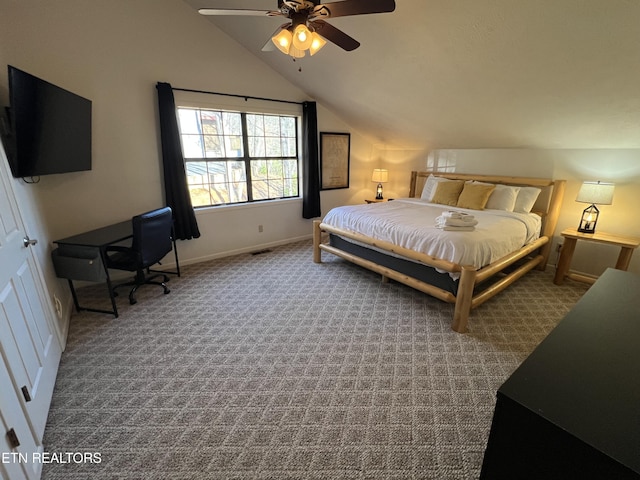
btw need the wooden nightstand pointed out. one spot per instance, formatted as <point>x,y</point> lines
<point>571,236</point>
<point>375,200</point>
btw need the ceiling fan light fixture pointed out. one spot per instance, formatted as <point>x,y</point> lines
<point>317,42</point>
<point>296,52</point>
<point>283,40</point>
<point>302,37</point>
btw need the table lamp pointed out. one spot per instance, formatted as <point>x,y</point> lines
<point>593,192</point>
<point>381,176</point>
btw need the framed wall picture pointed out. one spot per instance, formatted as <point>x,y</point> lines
<point>334,160</point>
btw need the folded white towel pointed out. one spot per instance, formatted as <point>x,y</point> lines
<point>456,229</point>
<point>458,215</point>
<point>456,222</point>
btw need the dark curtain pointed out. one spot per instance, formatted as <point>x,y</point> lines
<point>310,166</point>
<point>175,178</point>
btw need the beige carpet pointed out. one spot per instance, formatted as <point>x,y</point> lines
<point>272,367</point>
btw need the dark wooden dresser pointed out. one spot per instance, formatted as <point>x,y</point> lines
<point>572,409</point>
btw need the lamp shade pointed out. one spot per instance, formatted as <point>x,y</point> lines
<point>596,193</point>
<point>316,44</point>
<point>380,175</point>
<point>302,38</point>
<point>283,40</point>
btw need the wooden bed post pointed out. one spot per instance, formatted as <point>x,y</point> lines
<point>412,185</point>
<point>463,299</point>
<point>317,234</point>
<point>552,219</point>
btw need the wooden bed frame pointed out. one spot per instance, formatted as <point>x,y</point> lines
<point>536,253</point>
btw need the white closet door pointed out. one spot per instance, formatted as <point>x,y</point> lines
<point>28,344</point>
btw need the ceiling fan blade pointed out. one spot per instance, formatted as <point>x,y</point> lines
<point>354,7</point>
<point>237,11</point>
<point>334,35</point>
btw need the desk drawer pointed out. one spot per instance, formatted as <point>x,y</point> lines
<point>78,263</point>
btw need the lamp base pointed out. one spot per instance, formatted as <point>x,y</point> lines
<point>379,192</point>
<point>589,219</point>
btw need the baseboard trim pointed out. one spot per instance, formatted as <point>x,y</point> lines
<point>239,251</point>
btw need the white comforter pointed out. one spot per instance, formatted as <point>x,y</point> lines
<point>411,223</point>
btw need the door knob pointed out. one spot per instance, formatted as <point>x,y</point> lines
<point>27,242</point>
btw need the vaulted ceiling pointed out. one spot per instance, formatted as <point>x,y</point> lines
<point>472,73</point>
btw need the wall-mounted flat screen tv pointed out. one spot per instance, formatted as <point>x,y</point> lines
<point>49,127</point>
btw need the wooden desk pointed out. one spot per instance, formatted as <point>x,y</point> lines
<point>571,410</point>
<point>571,236</point>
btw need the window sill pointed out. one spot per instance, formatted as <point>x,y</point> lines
<point>250,205</point>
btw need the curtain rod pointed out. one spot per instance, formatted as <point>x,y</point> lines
<point>246,97</point>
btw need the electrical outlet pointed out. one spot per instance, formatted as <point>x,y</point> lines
<point>58,305</point>
<point>260,229</point>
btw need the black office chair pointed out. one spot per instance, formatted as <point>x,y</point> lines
<point>152,240</point>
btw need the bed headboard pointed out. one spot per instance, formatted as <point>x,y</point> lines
<point>547,205</point>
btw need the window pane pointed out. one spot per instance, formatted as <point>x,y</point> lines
<point>272,145</point>
<point>275,189</point>
<point>260,190</point>
<point>218,176</point>
<point>199,195</point>
<point>219,194</point>
<point>232,123</point>
<point>274,168</point>
<point>288,126</point>
<point>192,146</point>
<point>272,126</point>
<point>256,147</point>
<point>290,168</point>
<point>217,172</point>
<point>238,192</point>
<point>213,146</point>
<point>259,169</point>
<point>289,147</point>
<point>236,172</point>
<point>255,126</point>
<point>233,146</point>
<point>189,120</point>
<point>196,173</point>
<point>290,187</point>
<point>211,122</point>
<point>237,182</point>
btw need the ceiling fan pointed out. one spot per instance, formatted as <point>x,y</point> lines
<point>307,29</point>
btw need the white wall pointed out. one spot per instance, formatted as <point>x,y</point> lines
<point>114,52</point>
<point>621,167</point>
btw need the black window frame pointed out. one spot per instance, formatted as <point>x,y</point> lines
<point>246,158</point>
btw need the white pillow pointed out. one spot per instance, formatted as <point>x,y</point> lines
<point>503,198</point>
<point>429,189</point>
<point>527,196</point>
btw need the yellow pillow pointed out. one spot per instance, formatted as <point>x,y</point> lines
<point>475,195</point>
<point>447,193</point>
